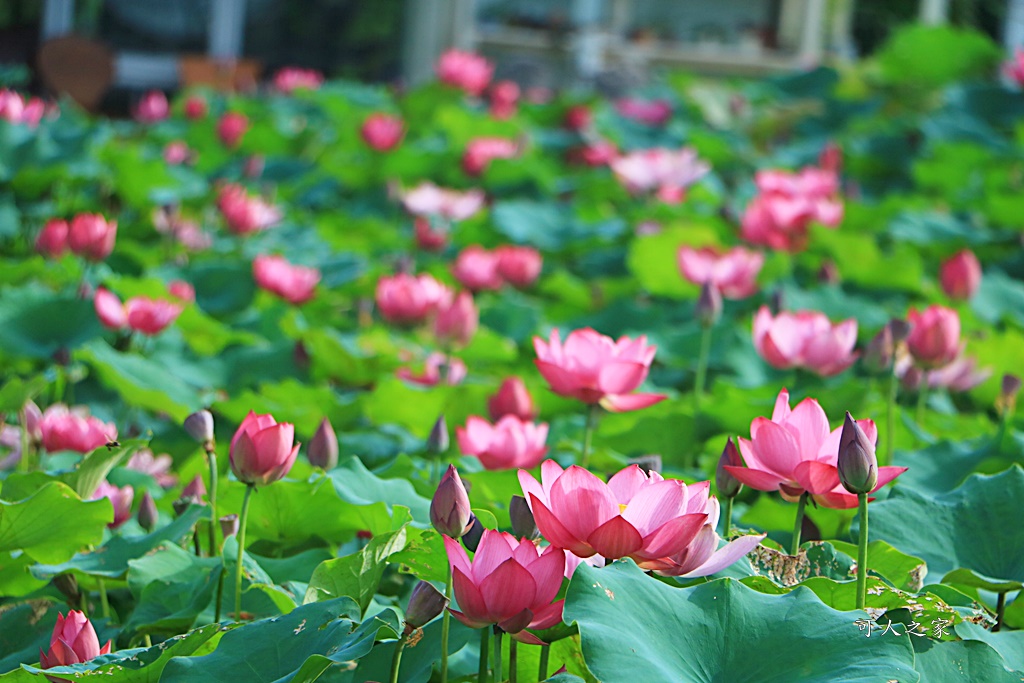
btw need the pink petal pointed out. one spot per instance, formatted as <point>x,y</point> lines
<point>887,474</point>
<point>471,623</point>
<point>508,590</point>
<point>809,424</point>
<point>817,477</point>
<point>625,484</point>
<point>582,502</point>
<point>493,550</point>
<point>656,504</point>
<point>624,403</point>
<point>547,574</point>
<point>756,479</point>
<point>776,448</point>
<point>616,538</point>
<point>457,556</point>
<point>621,377</point>
<point>726,556</point>
<point>548,616</point>
<point>673,536</point>
<point>553,530</point>
<point>469,597</point>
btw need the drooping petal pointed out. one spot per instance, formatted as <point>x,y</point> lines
<point>624,403</point>
<point>673,536</point>
<point>726,556</point>
<point>755,479</point>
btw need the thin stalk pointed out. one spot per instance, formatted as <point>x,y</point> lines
<point>922,401</point>
<point>727,517</point>
<point>445,626</point>
<point>220,594</point>
<point>211,456</point>
<point>396,659</point>
<point>890,418</point>
<point>513,661</point>
<point>588,433</point>
<point>1000,610</point>
<point>798,526</point>
<point>104,603</point>
<point>148,640</point>
<point>498,633</point>
<point>485,634</point>
<point>862,552</point>
<point>545,653</point>
<point>23,464</point>
<point>241,550</point>
<point>702,368</point>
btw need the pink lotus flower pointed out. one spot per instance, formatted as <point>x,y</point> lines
<point>195,108</point>
<point>74,641</point>
<point>410,299</point>
<point>153,107</point>
<point>504,95</point>
<point>934,338</point>
<point>1014,67</point>
<point>436,367</point>
<point>254,165</point>
<point>16,109</point>
<point>382,132</point>
<point>231,127</point>
<point>177,152</point>
<point>262,450</point>
<point>593,368</point>
<point>518,266</point>
<point>182,291</point>
<point>512,398</point>
<point>960,374</point>
<point>480,152</point>
<point>52,241</point>
<point>644,517</point>
<point>73,430</point>
<point>787,203</point>
<point>649,112</point>
<point>733,273</point>
<point>156,466</point>
<point>294,284</point>
<point>291,78</point>
<point>465,70</point>
<point>510,443</point>
<point>457,321</point>
<point>245,214</point>
<point>509,583</point>
<point>666,172</point>
<point>795,452</point>
<point>140,313</point>
<point>120,499</point>
<point>805,339</point>
<point>427,238</point>
<point>477,269</point>
<point>596,153</point>
<point>961,275</point>
<point>427,199</point>
<point>579,118</point>
<point>92,236</point>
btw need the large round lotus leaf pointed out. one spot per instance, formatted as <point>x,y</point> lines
<point>635,628</point>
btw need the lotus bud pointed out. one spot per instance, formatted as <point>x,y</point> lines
<point>512,398</point>
<point>323,447</point>
<point>728,485</point>
<point>857,464</point>
<point>67,584</point>
<point>228,525</point>
<point>73,641</point>
<point>449,509</point>
<point>880,351</point>
<point>199,426</point>
<point>523,524</point>
<point>1008,394</point>
<point>474,533</point>
<point>709,305</point>
<point>195,490</point>
<point>147,514</point>
<point>648,463</point>
<point>439,440</point>
<point>425,603</point>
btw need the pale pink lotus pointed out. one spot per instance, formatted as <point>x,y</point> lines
<point>52,241</point>
<point>511,583</point>
<point>934,338</point>
<point>20,110</point>
<point>410,299</point>
<point>291,78</point>
<point>593,368</point>
<point>795,452</point>
<point>666,172</point>
<point>649,112</point>
<point>519,266</point>
<point>437,368</point>
<point>231,127</point>
<point>465,70</point>
<point>182,291</point>
<point>477,269</point>
<point>512,398</point>
<point>644,517</point>
<point>120,498</point>
<point>507,444</point>
<point>177,152</point>
<point>960,275</point>
<point>139,314</point>
<point>382,132</point>
<point>92,236</point>
<point>805,339</point>
<point>152,108</point>
<point>733,273</point>
<point>156,466</point>
<point>480,152</point>
<point>294,284</point>
<point>245,214</point>
<point>787,203</point>
<point>76,430</point>
<point>427,199</point>
<point>457,321</point>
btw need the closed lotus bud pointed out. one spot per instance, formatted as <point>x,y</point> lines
<point>199,426</point>
<point>960,275</point>
<point>439,440</point>
<point>728,485</point>
<point>1008,393</point>
<point>857,464</point>
<point>73,641</point>
<point>194,491</point>
<point>425,603</point>
<point>880,351</point>
<point>523,524</point>
<point>228,525</point>
<point>449,509</point>
<point>648,463</point>
<point>323,448</point>
<point>512,398</point>
<point>473,534</point>
<point>67,584</point>
<point>709,305</point>
<point>262,450</point>
<point>147,515</point>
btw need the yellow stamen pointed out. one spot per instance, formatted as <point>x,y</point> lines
<point>622,508</point>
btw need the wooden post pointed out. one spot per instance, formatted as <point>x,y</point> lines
<point>226,29</point>
<point>812,33</point>
<point>58,18</point>
<point>934,12</point>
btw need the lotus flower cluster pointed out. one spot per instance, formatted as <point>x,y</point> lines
<point>805,339</point>
<point>478,269</point>
<point>245,214</point>
<point>21,110</point>
<point>465,70</point>
<point>427,199</point>
<point>294,284</point>
<point>732,273</point>
<point>410,299</point>
<point>668,173</point>
<point>63,429</point>
<point>74,641</point>
<point>786,205</point>
<point>291,78</point>
<point>88,235</point>
<point>509,443</point>
<point>262,451</point>
<point>139,314</point>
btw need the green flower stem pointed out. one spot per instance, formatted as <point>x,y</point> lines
<point>104,603</point>
<point>862,552</point>
<point>485,634</point>
<point>211,456</point>
<point>513,661</point>
<point>1000,610</point>
<point>890,418</point>
<point>241,550</point>
<point>588,433</point>
<point>396,659</point>
<point>922,401</point>
<point>220,594</point>
<point>545,654</point>
<point>445,627</point>
<point>23,464</point>
<point>799,524</point>
<point>702,368</point>
<point>727,517</point>
<point>498,633</point>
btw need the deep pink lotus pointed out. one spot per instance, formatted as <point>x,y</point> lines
<point>139,314</point>
<point>649,112</point>
<point>231,127</point>
<point>960,275</point>
<point>795,452</point>
<point>509,443</point>
<point>92,236</point>
<point>786,205</point>
<point>595,153</point>
<point>476,269</point>
<point>593,368</point>
<point>294,284</point>
<point>512,398</point>
<point>152,108</point>
<point>291,78</point>
<point>52,241</point>
<point>120,498</point>
<point>518,265</point>
<point>666,172</point>
<point>934,338</point>
<point>579,117</point>
<point>62,429</point>
<point>195,108</point>
<point>465,70</point>
<point>636,515</point>
<point>427,237</point>
<point>427,199</point>
<point>480,152</point>
<point>805,339</point>
<point>245,214</point>
<point>410,299</point>
<point>511,583</point>
<point>382,132</point>
<point>262,451</point>
<point>733,273</point>
<point>74,641</point>
<point>437,368</point>
<point>457,321</point>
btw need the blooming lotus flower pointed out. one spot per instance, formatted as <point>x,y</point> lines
<point>579,117</point>
<point>518,266</point>
<point>805,339</point>
<point>733,273</point>
<point>960,275</point>
<point>120,499</point>
<point>636,515</point>
<point>231,127</point>
<point>787,203</point>
<point>16,109</point>
<point>961,374</point>
<point>290,78</point>
<point>294,284</point>
<point>262,450</point>
<point>427,238</point>
<point>73,430</point>
<point>156,466</point>
<point>182,291</point>
<point>465,70</point>
<point>153,107</point>
<point>512,398</point>
<point>649,112</point>
<point>427,199</point>
<point>139,314</point>
<point>667,172</point>
<point>595,153</point>
<point>795,452</point>
<point>511,583</point>
<point>504,95</point>
<point>934,338</point>
<point>74,641</point>
<point>382,132</point>
<point>410,299</point>
<point>177,152</point>
<point>195,108</point>
<point>457,321</point>
<point>593,368</point>
<point>52,241</point>
<point>510,443</point>
<point>92,236</point>
<point>480,152</point>
<point>436,365</point>
<point>245,214</point>
<point>477,269</point>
